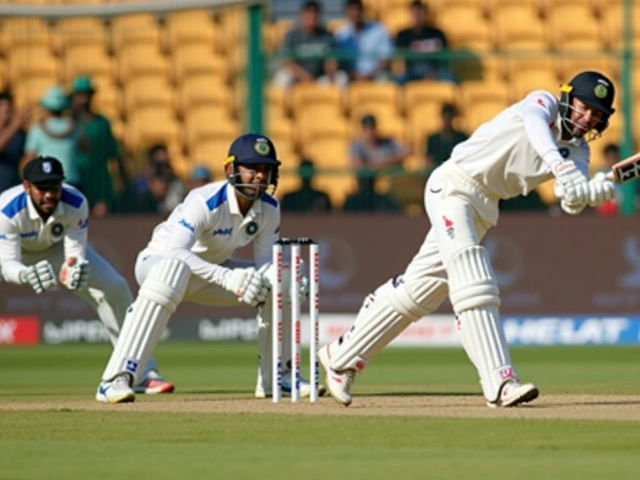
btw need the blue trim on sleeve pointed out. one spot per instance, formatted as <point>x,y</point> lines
<point>71,198</point>
<point>16,205</point>
<point>218,199</point>
<point>266,198</point>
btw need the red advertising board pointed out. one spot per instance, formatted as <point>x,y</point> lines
<point>19,330</point>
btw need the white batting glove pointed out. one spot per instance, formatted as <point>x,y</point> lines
<point>571,184</point>
<point>248,285</point>
<point>74,273</point>
<point>40,276</point>
<point>601,190</point>
<point>570,208</point>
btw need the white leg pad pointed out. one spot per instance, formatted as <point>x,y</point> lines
<point>159,296</point>
<point>474,295</point>
<point>383,316</point>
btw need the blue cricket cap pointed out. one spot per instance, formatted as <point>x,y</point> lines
<point>252,148</point>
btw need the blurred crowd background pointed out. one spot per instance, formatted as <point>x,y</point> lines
<point>363,98</point>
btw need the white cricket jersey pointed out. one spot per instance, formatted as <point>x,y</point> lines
<point>207,227</point>
<point>510,154</point>
<point>22,230</point>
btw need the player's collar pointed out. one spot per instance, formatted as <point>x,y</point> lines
<point>234,208</point>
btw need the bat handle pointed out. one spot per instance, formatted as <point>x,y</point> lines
<point>610,176</point>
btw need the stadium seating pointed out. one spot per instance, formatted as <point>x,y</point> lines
<point>191,27</point>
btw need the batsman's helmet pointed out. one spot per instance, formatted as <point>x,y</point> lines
<point>252,149</point>
<point>593,89</point>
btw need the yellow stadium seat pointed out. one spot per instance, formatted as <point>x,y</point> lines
<point>522,85</point>
<point>569,66</point>
<point>436,93</point>
<point>107,98</point>
<point>141,59</point>
<point>613,25</point>
<point>136,29</point>
<point>24,32</point>
<point>202,90</point>
<point>4,76</point>
<point>389,122</point>
<point>396,19</point>
<point>236,57</point>
<point>319,121</point>
<point>74,32</point>
<point>572,27</point>
<point>465,27</point>
<point>288,179</point>
<point>191,27</point>
<point>90,60</point>
<point>518,27</point>
<point>147,126</point>
<point>477,92</point>
<point>478,114</point>
<point>233,27</point>
<point>279,128</point>
<point>211,122</point>
<point>305,95</point>
<point>519,65</point>
<point>28,91</point>
<point>331,158</point>
<point>368,95</point>
<point>148,91</point>
<point>277,100</point>
<point>198,59</point>
<point>28,61</point>
<point>275,33</point>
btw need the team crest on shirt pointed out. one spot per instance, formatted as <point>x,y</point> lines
<point>57,230</point>
<point>252,228</point>
<point>600,90</point>
<point>262,147</point>
<point>564,152</point>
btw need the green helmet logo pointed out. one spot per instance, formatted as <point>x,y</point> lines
<point>600,91</point>
<point>262,147</point>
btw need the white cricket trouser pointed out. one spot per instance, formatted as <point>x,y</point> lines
<point>107,291</point>
<point>455,224</point>
<point>198,291</point>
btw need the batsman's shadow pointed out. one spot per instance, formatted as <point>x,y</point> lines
<point>422,394</point>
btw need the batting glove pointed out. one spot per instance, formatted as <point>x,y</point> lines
<point>601,190</point>
<point>74,273</point>
<point>571,184</point>
<point>40,276</point>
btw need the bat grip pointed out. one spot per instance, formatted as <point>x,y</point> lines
<point>610,176</point>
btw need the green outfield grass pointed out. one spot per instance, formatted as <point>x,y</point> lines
<point>58,442</point>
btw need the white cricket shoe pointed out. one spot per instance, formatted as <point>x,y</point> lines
<point>338,383</point>
<point>117,390</point>
<point>153,383</point>
<point>263,391</point>
<point>514,393</point>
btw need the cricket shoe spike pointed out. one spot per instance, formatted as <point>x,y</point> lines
<point>338,383</point>
<point>153,383</point>
<point>514,393</point>
<point>117,390</point>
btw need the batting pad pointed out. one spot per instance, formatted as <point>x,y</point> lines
<point>474,295</point>
<point>383,316</point>
<point>159,297</point>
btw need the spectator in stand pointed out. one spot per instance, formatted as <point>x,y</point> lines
<point>307,52</point>
<point>375,151</point>
<point>366,199</point>
<point>423,38</point>
<point>160,166</point>
<point>200,176</point>
<point>440,144</point>
<point>93,162</point>
<point>611,155</point>
<point>56,135</point>
<point>12,139</point>
<point>153,199</point>
<point>306,198</point>
<point>366,43</point>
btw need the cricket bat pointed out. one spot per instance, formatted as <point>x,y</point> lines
<point>625,170</point>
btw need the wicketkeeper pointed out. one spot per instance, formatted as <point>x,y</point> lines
<point>43,244</point>
<point>532,141</point>
<point>189,258</point>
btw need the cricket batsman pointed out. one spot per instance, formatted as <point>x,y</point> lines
<point>43,244</point>
<point>538,138</point>
<point>190,258</point>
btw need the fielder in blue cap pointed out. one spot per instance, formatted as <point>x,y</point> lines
<point>189,258</point>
